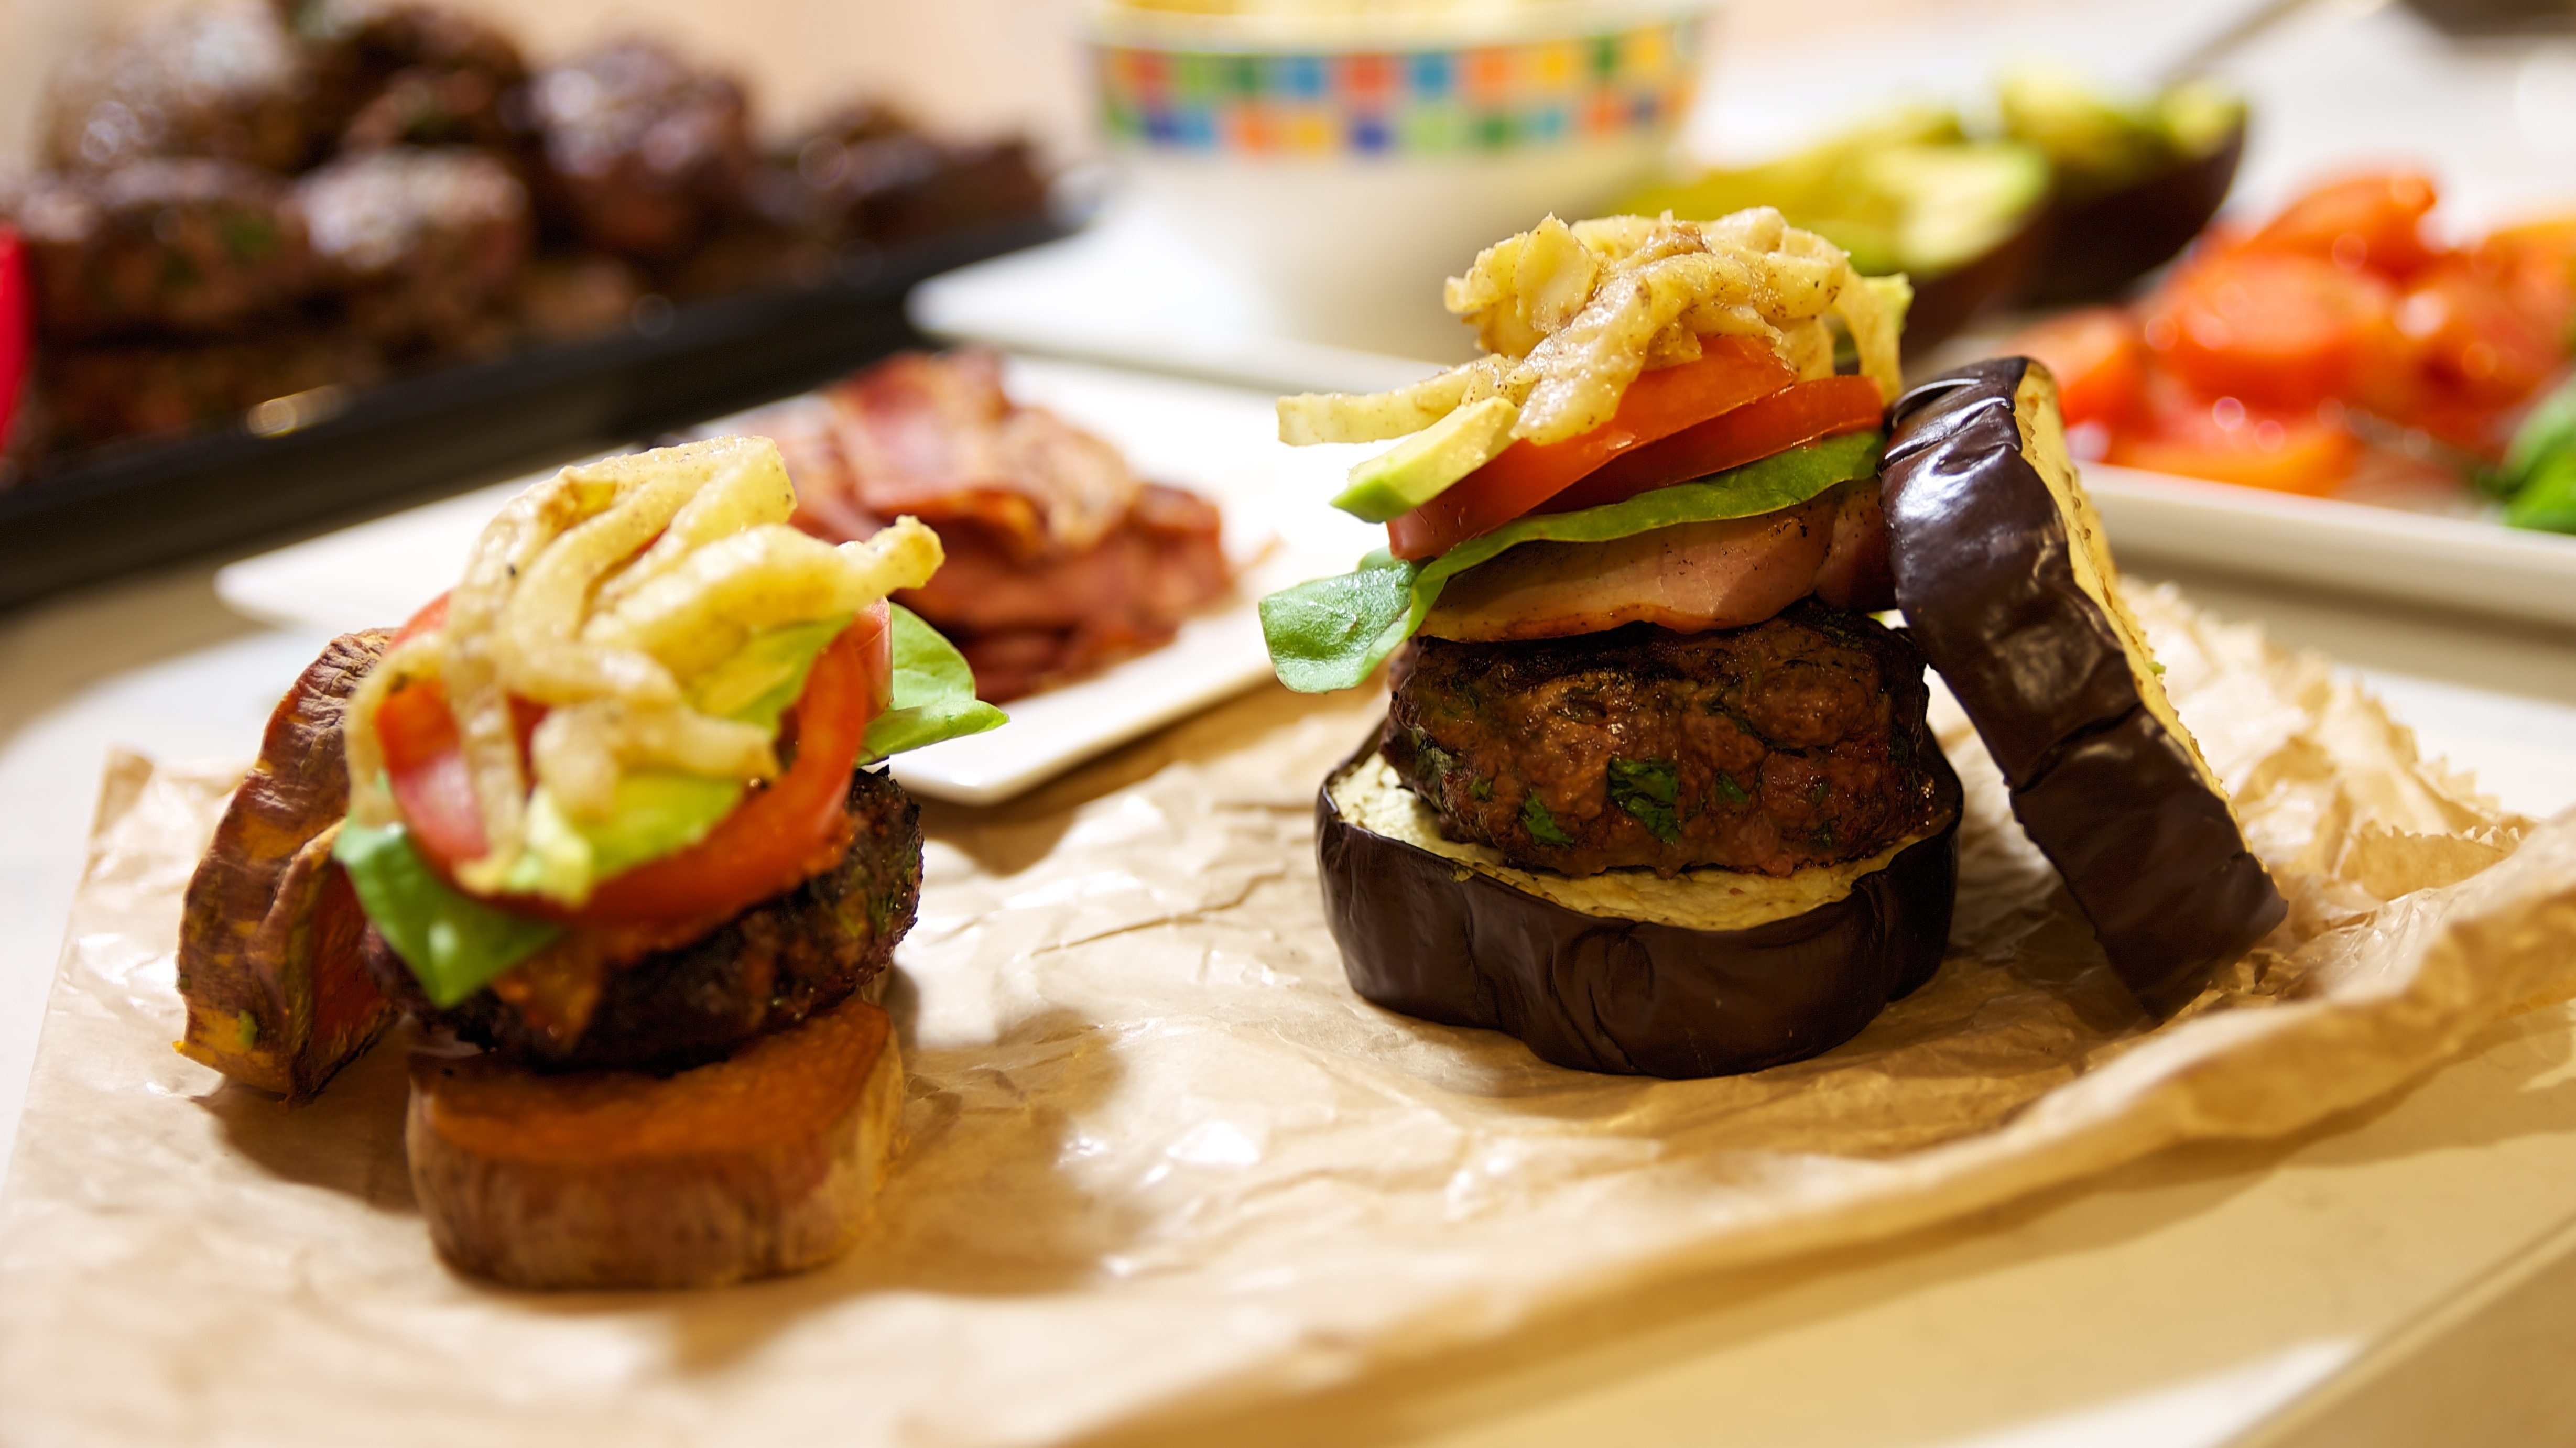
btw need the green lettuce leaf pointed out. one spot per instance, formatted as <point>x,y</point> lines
<point>934,693</point>
<point>1329,633</point>
<point>454,943</point>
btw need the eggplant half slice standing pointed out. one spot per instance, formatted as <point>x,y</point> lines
<point>2006,581</point>
<point>1630,985</point>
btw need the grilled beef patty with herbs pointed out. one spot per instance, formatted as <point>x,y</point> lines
<point>764,970</point>
<point>1795,742</point>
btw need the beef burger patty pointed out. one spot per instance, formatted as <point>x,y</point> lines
<point>764,970</point>
<point>1794,742</point>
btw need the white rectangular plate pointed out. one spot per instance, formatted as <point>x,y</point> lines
<point>1217,441</point>
<point>2354,547</point>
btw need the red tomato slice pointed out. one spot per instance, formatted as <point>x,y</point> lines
<point>2275,328</point>
<point>426,768</point>
<point>2225,441</point>
<point>1799,414</point>
<point>1730,372</point>
<point>2368,223</point>
<point>433,614</point>
<point>2099,361</point>
<point>782,833</point>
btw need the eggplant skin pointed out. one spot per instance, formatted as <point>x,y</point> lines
<point>2007,587</point>
<point>1628,997</point>
<point>2096,247</point>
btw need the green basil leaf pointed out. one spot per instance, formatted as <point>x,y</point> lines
<point>1541,823</point>
<point>934,693</point>
<point>1330,633</point>
<point>1648,789</point>
<point>454,944</point>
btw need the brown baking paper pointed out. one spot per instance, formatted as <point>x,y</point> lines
<point>1160,1154</point>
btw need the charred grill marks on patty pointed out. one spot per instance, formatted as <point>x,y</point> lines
<point>764,970</point>
<point>1799,741</point>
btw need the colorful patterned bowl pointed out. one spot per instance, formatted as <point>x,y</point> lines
<point>1345,164</point>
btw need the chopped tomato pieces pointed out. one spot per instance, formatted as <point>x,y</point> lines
<point>1730,372</point>
<point>2226,441</point>
<point>2472,344</point>
<point>2367,223</point>
<point>2099,361</point>
<point>1791,417</point>
<point>2284,329</point>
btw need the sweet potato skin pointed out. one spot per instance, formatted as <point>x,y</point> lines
<point>269,965</point>
<point>765,1163</point>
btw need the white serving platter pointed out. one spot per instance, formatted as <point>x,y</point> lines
<point>2385,551</point>
<point>1218,441</point>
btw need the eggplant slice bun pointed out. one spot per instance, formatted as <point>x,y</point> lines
<point>1655,792</point>
<point>599,819</point>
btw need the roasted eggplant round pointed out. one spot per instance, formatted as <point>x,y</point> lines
<point>2008,587</point>
<point>1452,941</point>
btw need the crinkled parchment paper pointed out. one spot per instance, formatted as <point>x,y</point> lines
<point>1160,1153</point>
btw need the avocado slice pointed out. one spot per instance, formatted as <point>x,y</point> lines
<point>1906,191</point>
<point>1422,467</point>
<point>2101,143</point>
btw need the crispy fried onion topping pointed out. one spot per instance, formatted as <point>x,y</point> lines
<point>603,593</point>
<point>1569,315</point>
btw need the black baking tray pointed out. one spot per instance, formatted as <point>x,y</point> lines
<point>124,507</point>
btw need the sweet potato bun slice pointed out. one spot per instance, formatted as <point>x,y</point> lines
<point>2006,581</point>
<point>763,1163</point>
<point>1708,975</point>
<point>277,994</point>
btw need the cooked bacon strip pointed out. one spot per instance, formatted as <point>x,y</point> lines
<point>937,438</point>
<point>1058,558</point>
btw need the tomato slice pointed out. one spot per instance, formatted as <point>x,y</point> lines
<point>2367,223</point>
<point>2225,441</point>
<point>432,614</point>
<point>2275,328</point>
<point>2098,359</point>
<point>785,832</point>
<point>1730,372</point>
<point>426,767</point>
<point>778,835</point>
<point>1791,417</point>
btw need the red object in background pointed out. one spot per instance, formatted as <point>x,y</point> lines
<point>2368,223</point>
<point>17,328</point>
<point>2236,368</point>
<point>2282,329</point>
<point>1730,372</point>
<point>2472,344</point>
<point>1792,417</point>
<point>2224,440</point>
<point>2535,264</point>
<point>2099,362</point>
